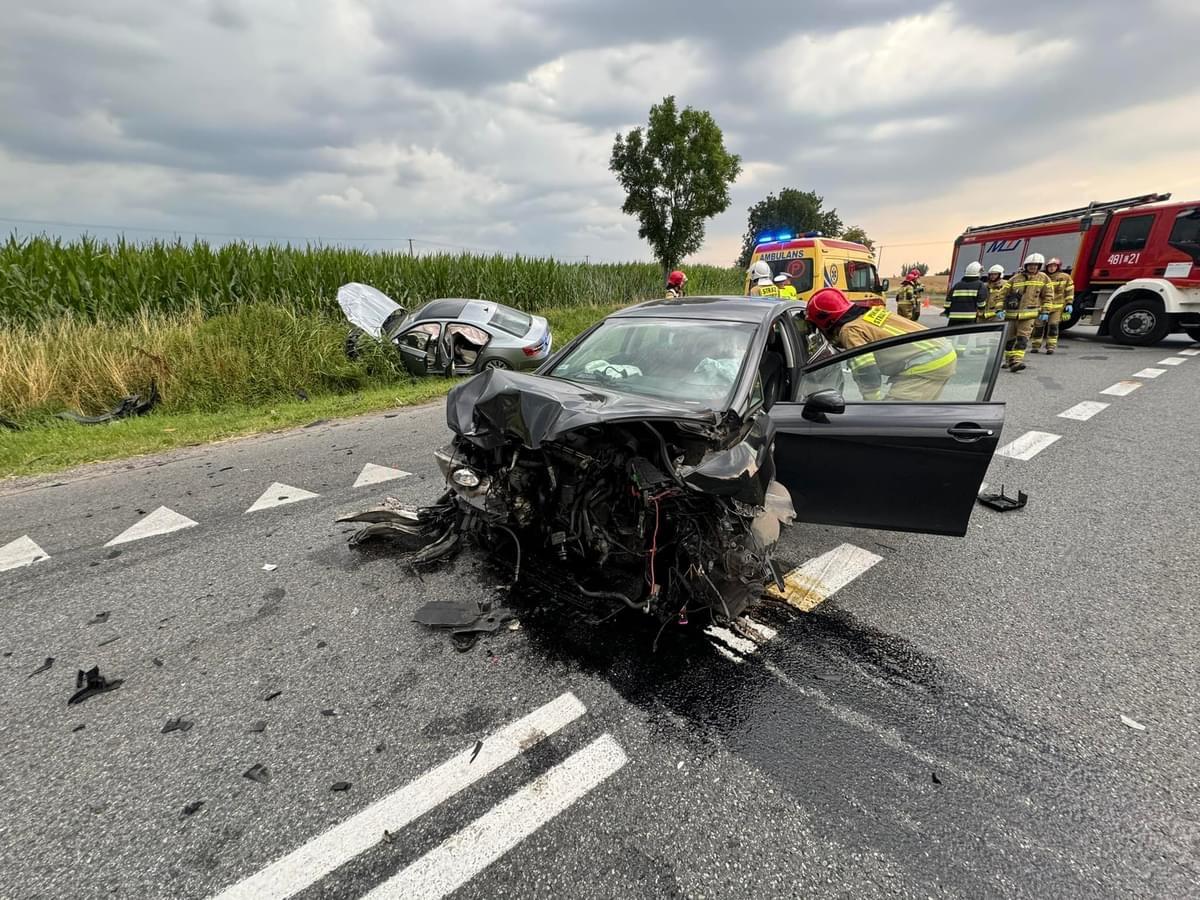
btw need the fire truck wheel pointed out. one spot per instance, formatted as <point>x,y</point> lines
<point>1140,322</point>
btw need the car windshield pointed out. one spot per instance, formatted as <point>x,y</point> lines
<point>695,363</point>
<point>513,321</point>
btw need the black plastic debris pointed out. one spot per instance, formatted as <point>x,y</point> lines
<point>191,809</point>
<point>111,640</point>
<point>321,645</point>
<point>388,837</point>
<point>177,724</point>
<point>1001,502</point>
<point>380,747</point>
<point>258,772</point>
<point>42,668</point>
<point>78,728</point>
<point>133,405</point>
<point>91,683</point>
<point>465,641</point>
<point>936,780</point>
<point>329,712</point>
<point>340,786</point>
<point>271,696</point>
<point>157,662</point>
<point>257,727</point>
<point>475,752</point>
<point>101,618</point>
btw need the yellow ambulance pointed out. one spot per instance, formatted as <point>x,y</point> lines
<point>816,262</point>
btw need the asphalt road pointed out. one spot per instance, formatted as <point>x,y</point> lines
<point>949,723</point>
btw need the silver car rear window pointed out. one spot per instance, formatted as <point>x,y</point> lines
<point>513,321</point>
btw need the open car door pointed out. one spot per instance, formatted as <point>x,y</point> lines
<point>418,347</point>
<point>891,462</point>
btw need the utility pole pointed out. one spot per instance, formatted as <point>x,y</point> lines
<point>410,248</point>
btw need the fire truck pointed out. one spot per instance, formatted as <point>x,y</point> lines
<point>1135,262</point>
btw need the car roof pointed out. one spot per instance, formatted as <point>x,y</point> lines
<point>753,310</point>
<point>477,312</point>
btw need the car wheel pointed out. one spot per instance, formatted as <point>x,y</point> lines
<point>495,363</point>
<point>352,338</point>
<point>1140,323</point>
<point>1193,333</point>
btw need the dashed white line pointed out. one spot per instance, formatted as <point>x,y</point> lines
<point>1172,361</point>
<point>21,552</point>
<point>464,855</point>
<point>1149,373</point>
<point>314,860</point>
<point>279,494</point>
<point>1083,411</point>
<point>810,585</point>
<point>1189,352</point>
<point>731,640</point>
<point>1122,388</point>
<point>161,521</point>
<point>1028,445</point>
<point>373,474</point>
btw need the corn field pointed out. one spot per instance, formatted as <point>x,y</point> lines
<point>43,278</point>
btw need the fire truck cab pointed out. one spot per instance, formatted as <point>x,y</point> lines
<point>1135,262</point>
<point>816,262</point>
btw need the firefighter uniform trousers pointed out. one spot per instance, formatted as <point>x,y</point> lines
<point>917,371</point>
<point>1027,295</point>
<point>1063,284</point>
<point>906,302</point>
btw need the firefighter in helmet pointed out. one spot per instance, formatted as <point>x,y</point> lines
<point>1029,294</point>
<point>907,304</point>
<point>917,370</point>
<point>1064,294</point>
<point>676,285</point>
<point>967,298</point>
<point>760,281</point>
<point>783,281</point>
<point>997,288</point>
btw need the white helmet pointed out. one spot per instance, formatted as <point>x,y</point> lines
<point>997,269</point>
<point>760,270</point>
<point>973,269</point>
<point>1034,259</point>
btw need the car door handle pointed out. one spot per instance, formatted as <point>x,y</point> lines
<point>968,431</point>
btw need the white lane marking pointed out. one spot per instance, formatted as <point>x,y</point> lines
<point>464,855</point>
<point>731,640</point>
<point>279,494</point>
<point>161,521</point>
<point>1148,373</point>
<point>373,474</point>
<point>728,654</point>
<point>1083,411</point>
<point>1189,352</point>
<point>1028,445</point>
<point>1172,361</point>
<point>21,552</point>
<point>810,585</point>
<point>1122,388</point>
<point>314,860</point>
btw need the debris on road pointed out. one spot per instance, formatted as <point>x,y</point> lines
<point>1001,502</point>
<point>192,808</point>
<point>447,613</point>
<point>257,727</point>
<point>100,618</point>
<point>90,683</point>
<point>157,662</point>
<point>258,772</point>
<point>42,668</point>
<point>177,724</point>
<point>935,778</point>
<point>269,567</point>
<point>111,640</point>
<point>133,405</point>
<point>78,728</point>
<point>271,696</point>
<point>329,713</point>
<point>340,786</point>
<point>1130,723</point>
<point>475,752</point>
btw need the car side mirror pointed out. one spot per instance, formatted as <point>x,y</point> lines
<point>821,404</point>
<point>885,286</point>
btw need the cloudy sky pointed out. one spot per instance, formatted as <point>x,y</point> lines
<point>488,124</point>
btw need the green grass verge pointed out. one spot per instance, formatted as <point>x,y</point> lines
<point>47,444</point>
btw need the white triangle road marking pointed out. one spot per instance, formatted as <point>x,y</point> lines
<point>279,494</point>
<point>161,521</point>
<point>21,552</point>
<point>373,474</point>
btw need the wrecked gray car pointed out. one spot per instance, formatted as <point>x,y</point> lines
<point>652,463</point>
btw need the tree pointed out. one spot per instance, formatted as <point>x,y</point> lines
<point>793,211</point>
<point>676,174</point>
<point>944,272</point>
<point>858,236</point>
<point>921,267</point>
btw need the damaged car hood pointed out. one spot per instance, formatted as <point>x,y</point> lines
<point>497,406</point>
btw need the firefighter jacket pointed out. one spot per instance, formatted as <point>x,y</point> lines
<point>1064,289</point>
<point>764,290</point>
<point>1028,295</point>
<point>935,357</point>
<point>997,291</point>
<point>906,294</point>
<point>674,293</point>
<point>966,300</point>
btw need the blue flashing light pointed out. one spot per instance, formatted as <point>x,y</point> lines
<point>783,237</point>
<point>764,238</point>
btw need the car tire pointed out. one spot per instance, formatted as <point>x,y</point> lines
<point>495,363</point>
<point>352,339</point>
<point>1193,333</point>
<point>1140,323</point>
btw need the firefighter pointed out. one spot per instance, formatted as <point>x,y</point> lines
<point>1064,293</point>
<point>997,288</point>
<point>676,285</point>
<point>918,370</point>
<point>760,276</point>
<point>1028,294</point>
<point>783,281</point>
<point>906,296</point>
<point>967,299</point>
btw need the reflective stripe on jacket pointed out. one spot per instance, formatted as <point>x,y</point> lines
<point>914,358</point>
<point>1064,289</point>
<point>766,290</point>
<point>966,300</point>
<point>1029,294</point>
<point>997,291</point>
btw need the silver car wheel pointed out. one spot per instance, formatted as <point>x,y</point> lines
<point>494,363</point>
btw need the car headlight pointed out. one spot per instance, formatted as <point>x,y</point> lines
<point>465,478</point>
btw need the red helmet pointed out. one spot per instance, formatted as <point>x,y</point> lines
<point>826,307</point>
<point>676,278</point>
<point>913,275</point>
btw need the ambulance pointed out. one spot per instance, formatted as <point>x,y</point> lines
<point>816,262</point>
